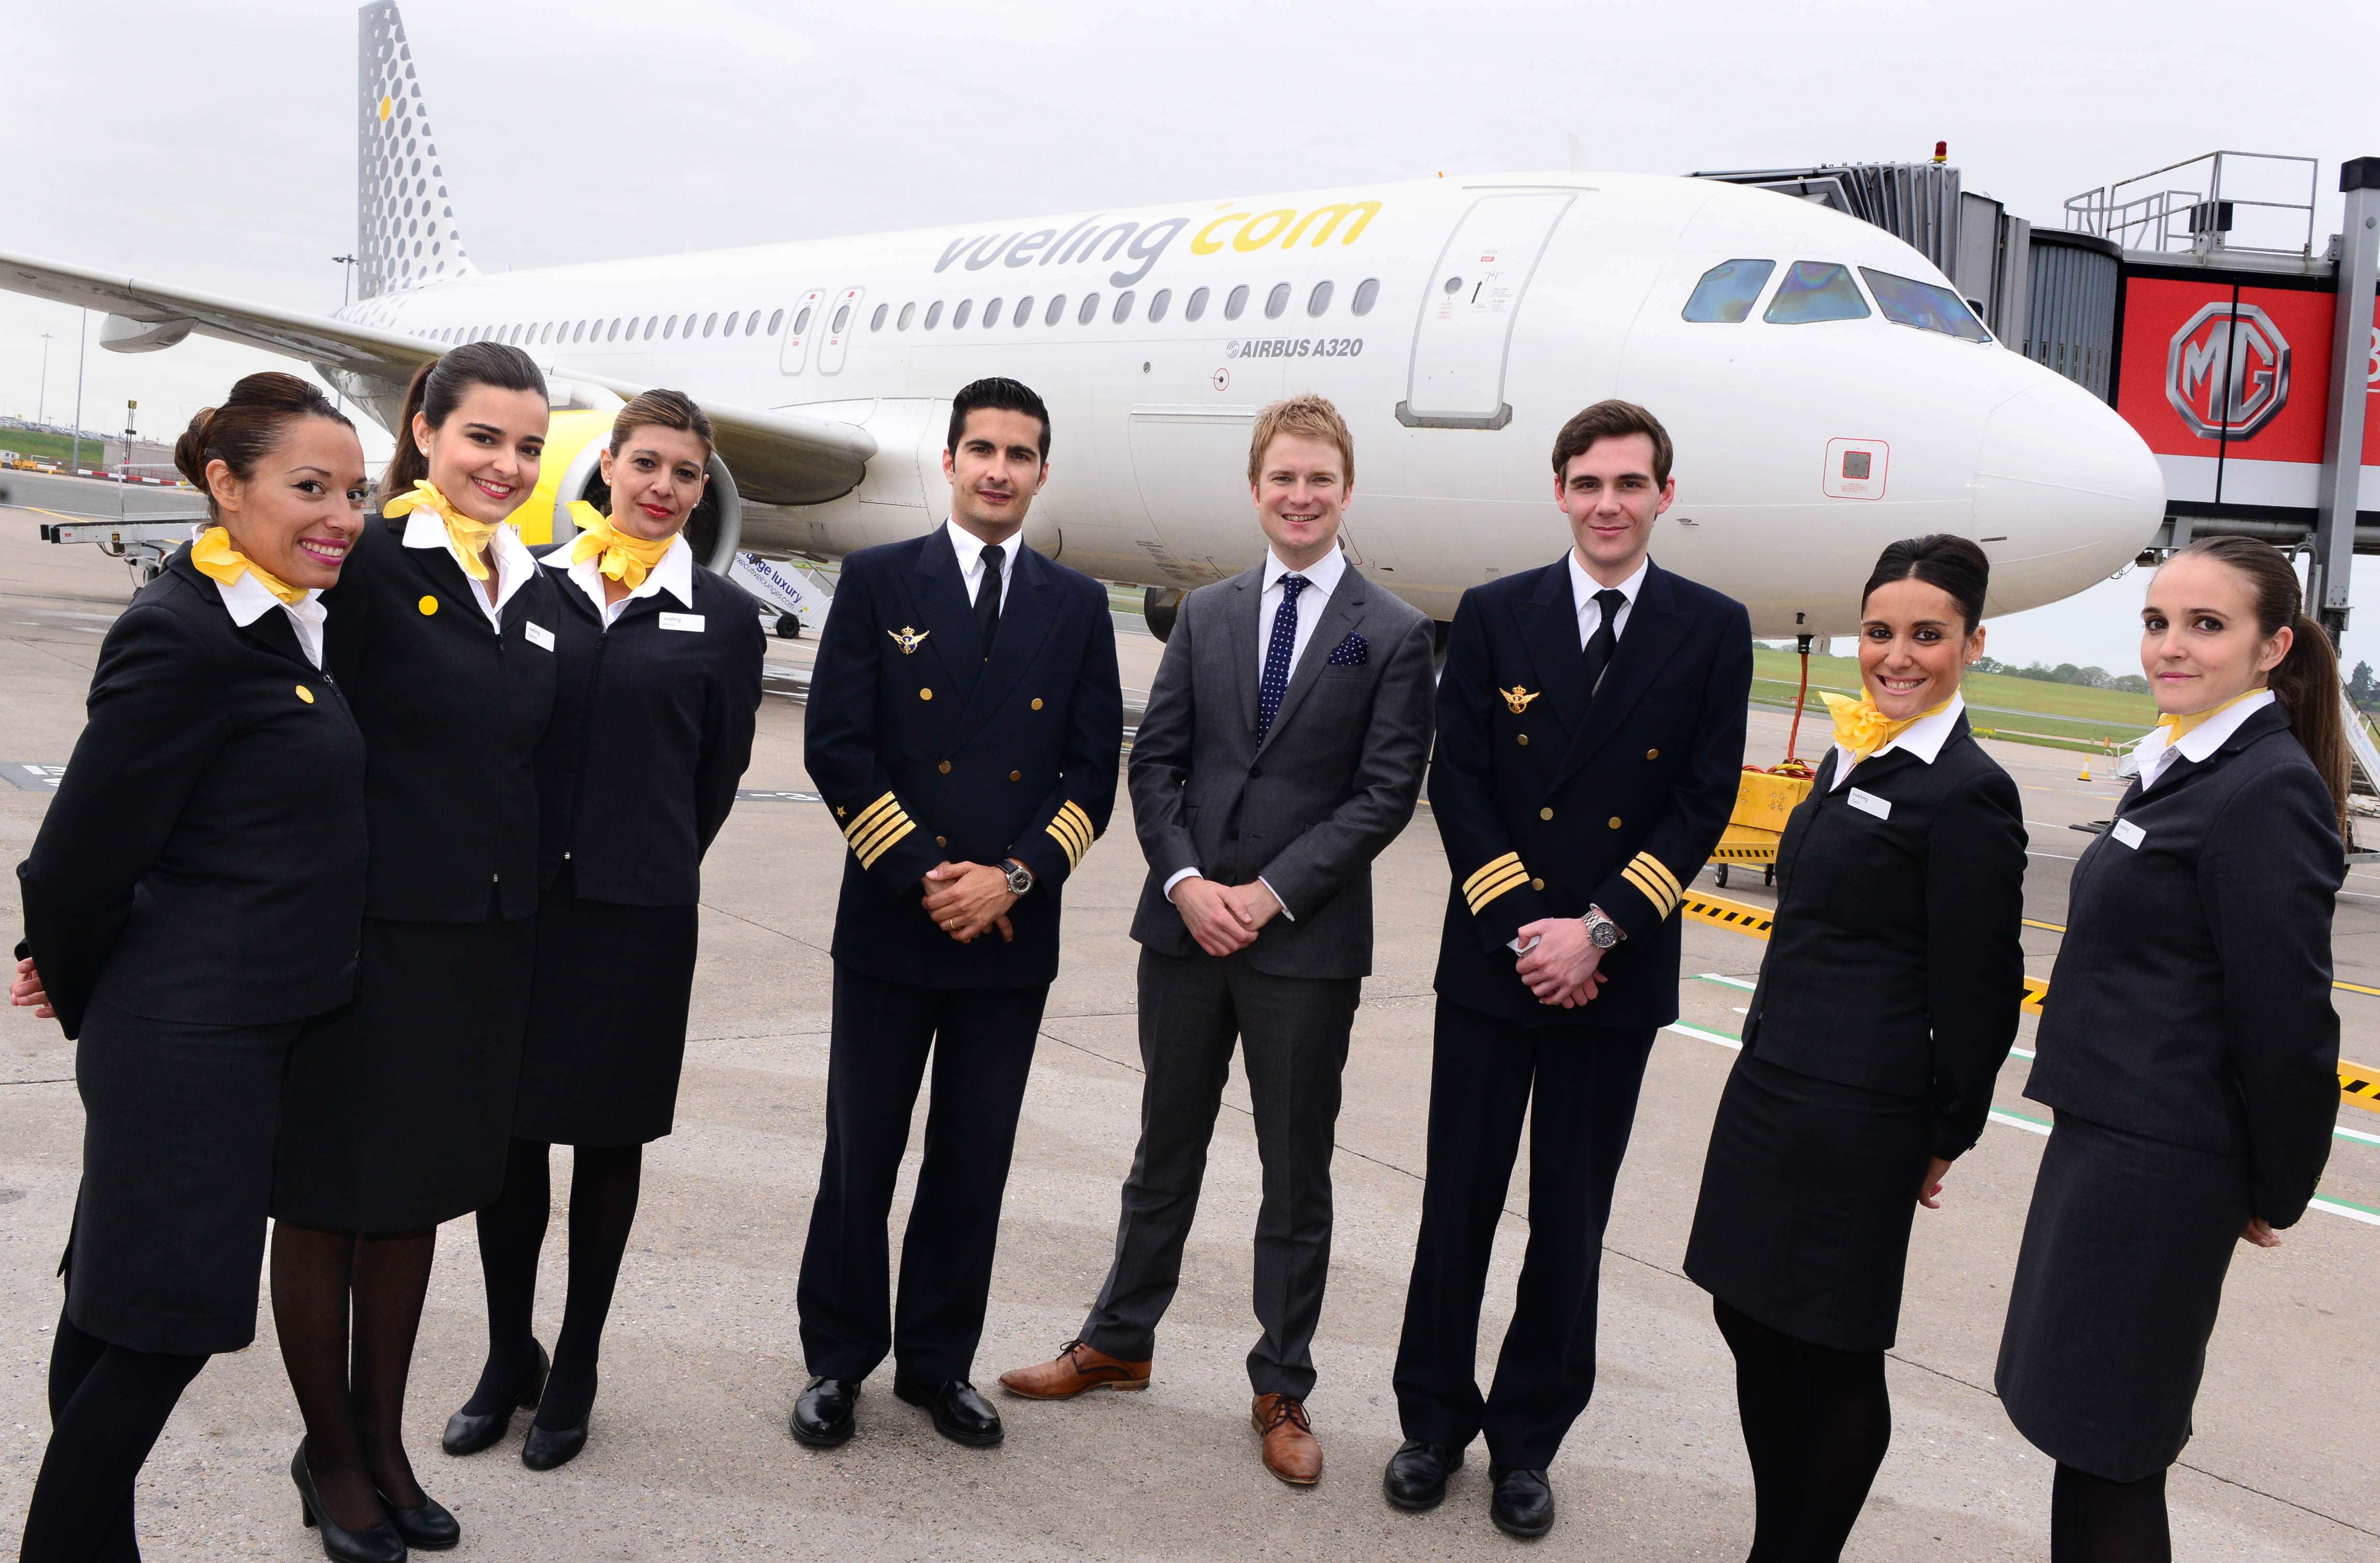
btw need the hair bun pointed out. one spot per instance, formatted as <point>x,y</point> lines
<point>190,450</point>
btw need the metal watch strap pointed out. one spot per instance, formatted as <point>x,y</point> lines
<point>1020,878</point>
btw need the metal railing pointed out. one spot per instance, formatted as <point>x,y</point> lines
<point>2151,212</point>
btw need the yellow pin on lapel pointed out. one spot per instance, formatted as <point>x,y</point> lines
<point>1518,697</point>
<point>305,695</point>
<point>908,640</point>
<point>428,605</point>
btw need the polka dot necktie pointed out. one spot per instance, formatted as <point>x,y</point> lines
<point>1277,654</point>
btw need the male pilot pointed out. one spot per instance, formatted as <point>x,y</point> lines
<point>1283,749</point>
<point>964,723</point>
<point>1590,729</point>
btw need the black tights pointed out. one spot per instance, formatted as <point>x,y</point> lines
<point>603,1182</point>
<point>107,1406</point>
<point>1816,1422</point>
<point>350,1384</point>
<point>2093,1520</point>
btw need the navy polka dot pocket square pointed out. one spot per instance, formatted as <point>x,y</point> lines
<point>1352,652</point>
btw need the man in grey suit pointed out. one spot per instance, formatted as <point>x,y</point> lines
<point>1283,749</point>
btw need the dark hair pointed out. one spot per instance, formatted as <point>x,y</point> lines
<point>1608,420</point>
<point>253,420</point>
<point>2306,681</point>
<point>437,390</point>
<point>670,409</point>
<point>1952,564</point>
<point>1004,396</point>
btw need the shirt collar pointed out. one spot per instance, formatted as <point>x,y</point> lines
<point>248,601</point>
<point>2154,750</point>
<point>1922,738</point>
<point>426,528</point>
<point>1322,575</point>
<point>969,549</point>
<point>674,574</point>
<point>1582,586</point>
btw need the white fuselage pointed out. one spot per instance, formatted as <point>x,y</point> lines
<point>1498,308</point>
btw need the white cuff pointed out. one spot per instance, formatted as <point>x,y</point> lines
<point>1179,875</point>
<point>1276,896</point>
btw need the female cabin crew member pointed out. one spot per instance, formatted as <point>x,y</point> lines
<point>397,1115</point>
<point>661,679</point>
<point>193,897</point>
<point>1887,1004</point>
<point>2190,1050</point>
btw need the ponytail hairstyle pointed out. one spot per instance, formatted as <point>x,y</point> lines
<point>251,421</point>
<point>438,389</point>
<point>670,409</point>
<point>1952,565</point>
<point>2306,681</point>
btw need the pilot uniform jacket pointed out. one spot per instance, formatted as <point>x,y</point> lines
<point>926,751</point>
<point>2189,1046</point>
<point>1550,803</point>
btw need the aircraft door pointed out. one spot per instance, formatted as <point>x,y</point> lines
<point>798,332</point>
<point>842,324</point>
<point>1465,331</point>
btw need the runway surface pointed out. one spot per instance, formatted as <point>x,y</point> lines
<point>690,1455</point>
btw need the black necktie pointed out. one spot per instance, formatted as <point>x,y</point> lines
<point>1607,636</point>
<point>987,597</point>
<point>1275,682</point>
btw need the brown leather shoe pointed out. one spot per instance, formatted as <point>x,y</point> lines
<point>1291,1451</point>
<point>1077,1370</point>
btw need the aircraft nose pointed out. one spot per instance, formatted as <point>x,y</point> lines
<point>2065,490</point>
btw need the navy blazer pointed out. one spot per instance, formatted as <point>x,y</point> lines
<point>2190,1001</point>
<point>1550,800</point>
<point>204,860</point>
<point>653,728</point>
<point>927,752</point>
<point>452,712</point>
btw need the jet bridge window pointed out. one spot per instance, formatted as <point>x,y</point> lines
<point>1907,301</point>
<point>1726,292</point>
<point>1196,307</point>
<point>1812,291</point>
<point>1238,302</point>
<point>1163,297</point>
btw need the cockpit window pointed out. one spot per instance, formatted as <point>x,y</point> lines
<point>1906,301</point>
<point>1728,290</point>
<point>1816,290</point>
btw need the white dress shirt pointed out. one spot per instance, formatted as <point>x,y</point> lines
<point>2154,755</point>
<point>675,575</point>
<point>246,600</point>
<point>1922,738</point>
<point>426,528</point>
<point>1582,588</point>
<point>969,548</point>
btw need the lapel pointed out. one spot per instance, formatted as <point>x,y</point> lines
<point>938,592</point>
<point>1877,769</point>
<point>1655,626</point>
<point>1247,606</point>
<point>1027,618</point>
<point>273,632</point>
<point>1548,620</point>
<point>1340,612</point>
<point>2182,770</point>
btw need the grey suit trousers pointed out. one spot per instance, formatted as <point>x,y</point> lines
<point>1293,1033</point>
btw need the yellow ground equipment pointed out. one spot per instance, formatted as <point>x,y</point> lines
<point>1762,799</point>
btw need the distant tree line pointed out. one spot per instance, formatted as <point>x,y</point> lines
<point>2067,673</point>
<point>2362,688</point>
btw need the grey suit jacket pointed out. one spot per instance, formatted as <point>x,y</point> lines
<point>1333,783</point>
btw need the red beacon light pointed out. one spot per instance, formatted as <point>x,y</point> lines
<point>1941,152</point>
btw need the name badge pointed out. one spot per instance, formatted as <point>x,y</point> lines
<point>1869,803</point>
<point>683,622</point>
<point>2129,833</point>
<point>539,636</point>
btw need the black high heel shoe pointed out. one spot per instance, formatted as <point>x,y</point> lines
<point>468,1433</point>
<point>546,1447</point>
<point>430,1527</point>
<point>379,1544</point>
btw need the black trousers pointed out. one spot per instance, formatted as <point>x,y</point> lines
<point>1484,1074</point>
<point>1293,1035</point>
<point>981,1043</point>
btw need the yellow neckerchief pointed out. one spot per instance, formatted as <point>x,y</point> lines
<point>625,558</point>
<point>470,537</point>
<point>215,557</point>
<point>1862,729</point>
<point>2180,725</point>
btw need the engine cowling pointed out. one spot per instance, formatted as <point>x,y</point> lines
<point>573,469</point>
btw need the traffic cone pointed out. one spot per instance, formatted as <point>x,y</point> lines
<point>2086,767</point>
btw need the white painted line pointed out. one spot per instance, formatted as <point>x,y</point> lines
<point>1701,1035</point>
<point>2013,1121</point>
<point>2353,1212</point>
<point>1730,981</point>
<point>2345,1133</point>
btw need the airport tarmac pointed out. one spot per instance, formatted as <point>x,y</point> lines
<point>690,1455</point>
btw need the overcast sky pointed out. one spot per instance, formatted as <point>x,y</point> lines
<point>213,146</point>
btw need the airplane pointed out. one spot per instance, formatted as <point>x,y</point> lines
<point>1827,390</point>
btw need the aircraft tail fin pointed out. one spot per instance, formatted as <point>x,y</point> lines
<point>406,232</point>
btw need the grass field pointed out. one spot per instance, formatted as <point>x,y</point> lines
<point>2025,710</point>
<point>48,448</point>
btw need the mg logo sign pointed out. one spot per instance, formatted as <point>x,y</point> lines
<point>2228,371</point>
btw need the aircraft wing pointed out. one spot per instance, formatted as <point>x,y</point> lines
<point>778,458</point>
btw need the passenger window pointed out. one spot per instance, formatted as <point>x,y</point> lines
<point>1812,291</point>
<point>729,329</point>
<point>669,328</point>
<point>650,321</point>
<point>1237,302</point>
<point>1727,291</point>
<point>752,324</point>
<point>1319,299</point>
<point>992,313</point>
<point>842,319</point>
<point>1122,307</point>
<point>711,320</point>
<point>1056,312</point>
<point>1196,307</point>
<point>1023,311</point>
<point>934,314</point>
<point>1907,301</point>
<point>876,321</point>
<point>1089,311</point>
<point>802,320</point>
<point>908,314</point>
<point>612,335</point>
<point>1367,292</point>
<point>1163,297</point>
<point>966,307</point>
<point>1277,300</point>
<point>776,318</point>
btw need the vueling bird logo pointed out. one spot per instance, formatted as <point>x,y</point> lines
<point>908,640</point>
<point>1518,697</point>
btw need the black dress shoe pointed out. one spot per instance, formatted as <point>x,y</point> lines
<point>960,1414</point>
<point>376,1544</point>
<point>822,1415</point>
<point>1524,1504</point>
<point>548,1447</point>
<point>430,1527</point>
<point>468,1433</point>
<point>1417,1473</point>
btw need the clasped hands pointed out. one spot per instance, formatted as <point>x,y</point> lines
<point>1224,917</point>
<point>1563,968</point>
<point>967,899</point>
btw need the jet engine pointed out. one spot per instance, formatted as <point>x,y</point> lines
<point>573,469</point>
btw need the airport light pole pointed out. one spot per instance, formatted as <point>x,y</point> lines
<point>83,357</point>
<point>346,264</point>
<point>42,403</point>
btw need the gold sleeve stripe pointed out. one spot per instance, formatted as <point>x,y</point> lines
<point>1494,868</point>
<point>1480,895</point>
<point>877,844</point>
<point>1660,872</point>
<point>1663,903</point>
<point>1071,828</point>
<point>870,816</point>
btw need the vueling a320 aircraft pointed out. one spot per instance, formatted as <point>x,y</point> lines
<point>1828,390</point>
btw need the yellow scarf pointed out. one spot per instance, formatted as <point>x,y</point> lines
<point>1862,729</point>
<point>470,537</point>
<point>2182,723</point>
<point>216,557</point>
<point>625,558</point>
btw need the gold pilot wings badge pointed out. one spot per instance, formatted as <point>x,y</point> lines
<point>1518,697</point>
<point>909,639</point>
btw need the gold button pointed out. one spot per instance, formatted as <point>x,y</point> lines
<point>944,767</point>
<point>1652,754</point>
<point>1536,884</point>
<point>1524,740</point>
<point>1614,822</point>
<point>305,695</point>
<point>941,840</point>
<point>925,694</point>
<point>1036,704</point>
<point>1016,775</point>
<point>1545,813</point>
<point>429,605</point>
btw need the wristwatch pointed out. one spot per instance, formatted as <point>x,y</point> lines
<point>1020,878</point>
<point>1601,932</point>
